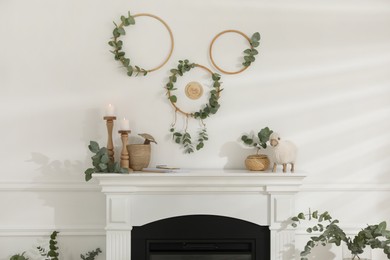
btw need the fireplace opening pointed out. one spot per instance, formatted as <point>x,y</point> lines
<point>200,237</point>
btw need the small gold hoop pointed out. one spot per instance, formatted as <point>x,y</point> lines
<point>177,109</point>
<point>211,51</point>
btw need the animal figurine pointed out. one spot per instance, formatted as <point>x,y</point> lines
<point>284,152</point>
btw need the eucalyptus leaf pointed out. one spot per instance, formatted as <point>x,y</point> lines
<point>249,58</point>
<point>131,20</point>
<point>93,146</point>
<point>173,98</point>
<point>116,33</point>
<point>121,31</point>
<point>126,62</point>
<point>105,159</point>
<point>255,37</point>
<point>169,85</point>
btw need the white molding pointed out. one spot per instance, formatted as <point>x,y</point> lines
<point>52,186</point>
<point>29,231</point>
<point>80,186</point>
<point>345,187</point>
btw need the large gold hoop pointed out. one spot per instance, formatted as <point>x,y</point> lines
<point>117,44</point>
<point>170,36</point>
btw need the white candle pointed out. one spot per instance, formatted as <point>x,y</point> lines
<point>110,110</point>
<point>125,125</point>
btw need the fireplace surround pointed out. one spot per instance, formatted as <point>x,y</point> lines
<point>141,199</point>
<point>201,237</point>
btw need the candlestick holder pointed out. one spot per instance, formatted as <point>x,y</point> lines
<point>110,144</point>
<point>124,154</point>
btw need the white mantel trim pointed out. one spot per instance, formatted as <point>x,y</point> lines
<point>202,181</point>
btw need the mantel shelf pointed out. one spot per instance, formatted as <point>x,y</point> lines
<point>201,181</point>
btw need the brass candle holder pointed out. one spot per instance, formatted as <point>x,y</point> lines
<point>110,144</point>
<point>125,154</point>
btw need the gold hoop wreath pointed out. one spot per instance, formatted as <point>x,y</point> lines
<point>249,53</point>
<point>117,44</point>
<point>183,138</point>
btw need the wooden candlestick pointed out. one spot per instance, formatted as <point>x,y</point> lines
<point>124,154</point>
<point>110,144</point>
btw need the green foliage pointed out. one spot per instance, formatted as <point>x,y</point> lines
<point>185,139</point>
<point>101,162</point>
<point>117,45</point>
<point>53,254</point>
<point>19,257</point>
<point>260,141</point>
<point>252,52</point>
<point>327,231</point>
<point>91,255</point>
<point>202,138</point>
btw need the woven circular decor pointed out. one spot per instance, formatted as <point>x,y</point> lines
<point>183,137</point>
<point>120,55</point>
<point>249,53</point>
<point>202,114</point>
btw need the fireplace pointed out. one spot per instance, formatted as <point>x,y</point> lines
<point>140,201</point>
<point>200,237</point>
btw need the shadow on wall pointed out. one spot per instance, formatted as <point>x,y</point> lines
<point>56,170</point>
<point>74,209</point>
<point>290,253</point>
<point>234,159</point>
<point>236,154</point>
<point>318,253</point>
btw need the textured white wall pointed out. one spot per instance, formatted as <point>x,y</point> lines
<point>322,79</point>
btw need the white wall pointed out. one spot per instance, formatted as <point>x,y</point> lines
<point>322,79</point>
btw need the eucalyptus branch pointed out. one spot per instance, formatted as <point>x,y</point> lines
<point>252,52</point>
<point>117,45</point>
<point>327,231</point>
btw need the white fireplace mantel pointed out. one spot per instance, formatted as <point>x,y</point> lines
<point>139,198</point>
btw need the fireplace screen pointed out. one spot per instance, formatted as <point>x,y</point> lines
<point>201,250</point>
<point>200,237</point>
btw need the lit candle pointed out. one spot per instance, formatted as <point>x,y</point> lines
<point>110,110</point>
<point>125,125</point>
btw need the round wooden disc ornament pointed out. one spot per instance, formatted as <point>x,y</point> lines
<point>117,44</point>
<point>249,53</point>
<point>194,90</point>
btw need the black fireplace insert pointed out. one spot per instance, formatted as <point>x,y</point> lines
<point>200,237</point>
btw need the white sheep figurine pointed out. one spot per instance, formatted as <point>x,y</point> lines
<point>284,152</point>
